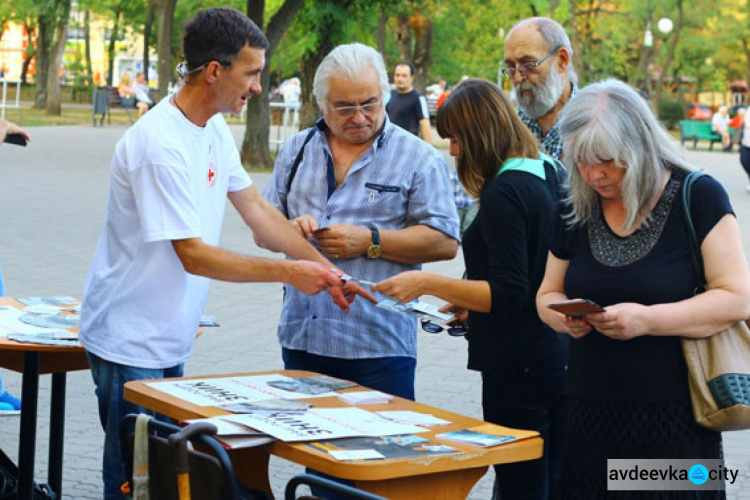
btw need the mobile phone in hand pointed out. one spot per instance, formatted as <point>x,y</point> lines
<point>17,139</point>
<point>576,308</point>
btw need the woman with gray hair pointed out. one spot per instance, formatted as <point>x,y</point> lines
<point>622,242</point>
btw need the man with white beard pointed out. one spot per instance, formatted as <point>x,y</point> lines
<point>538,64</point>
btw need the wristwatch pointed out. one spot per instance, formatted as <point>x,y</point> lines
<point>374,250</point>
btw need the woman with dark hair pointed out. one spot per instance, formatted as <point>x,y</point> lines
<point>622,242</point>
<point>523,363</point>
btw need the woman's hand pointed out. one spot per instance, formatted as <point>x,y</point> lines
<point>623,321</point>
<point>460,314</point>
<point>404,287</point>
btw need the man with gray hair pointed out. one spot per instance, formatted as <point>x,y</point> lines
<point>376,200</point>
<point>538,63</point>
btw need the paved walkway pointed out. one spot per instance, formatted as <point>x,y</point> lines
<point>52,200</point>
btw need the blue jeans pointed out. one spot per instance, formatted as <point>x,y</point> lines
<point>110,378</point>
<point>394,375</point>
<point>532,399</point>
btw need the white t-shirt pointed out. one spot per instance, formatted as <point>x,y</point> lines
<point>719,120</point>
<point>291,92</point>
<point>169,180</point>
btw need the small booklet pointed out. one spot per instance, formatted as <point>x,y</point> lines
<point>319,384</point>
<point>364,397</point>
<point>475,438</point>
<point>208,321</point>
<point>487,435</point>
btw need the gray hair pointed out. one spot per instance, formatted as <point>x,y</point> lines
<point>608,120</point>
<point>555,36</point>
<point>348,60</point>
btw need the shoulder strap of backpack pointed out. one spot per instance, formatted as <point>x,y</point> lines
<point>298,159</point>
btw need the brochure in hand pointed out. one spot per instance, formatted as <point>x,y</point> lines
<point>381,447</point>
<point>416,308</point>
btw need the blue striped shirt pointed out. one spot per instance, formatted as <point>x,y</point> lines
<point>400,181</point>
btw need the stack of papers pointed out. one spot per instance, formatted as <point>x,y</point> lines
<point>364,397</point>
<point>234,435</point>
<point>413,418</point>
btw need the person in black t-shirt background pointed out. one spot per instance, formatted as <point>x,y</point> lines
<point>407,108</point>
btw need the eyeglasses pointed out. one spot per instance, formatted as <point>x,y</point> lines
<point>526,68</point>
<point>368,109</point>
<point>454,331</point>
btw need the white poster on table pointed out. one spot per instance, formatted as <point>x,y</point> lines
<point>323,423</point>
<point>218,391</point>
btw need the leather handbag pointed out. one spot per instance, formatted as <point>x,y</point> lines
<point>719,365</point>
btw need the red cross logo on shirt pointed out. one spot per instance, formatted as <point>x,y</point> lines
<point>211,180</point>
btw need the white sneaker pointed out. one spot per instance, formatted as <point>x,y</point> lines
<point>747,188</point>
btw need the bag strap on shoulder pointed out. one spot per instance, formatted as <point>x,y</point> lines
<point>298,159</point>
<point>695,249</point>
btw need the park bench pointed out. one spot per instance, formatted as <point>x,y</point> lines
<point>108,98</point>
<point>691,130</point>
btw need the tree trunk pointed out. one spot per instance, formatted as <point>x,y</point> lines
<point>165,22</point>
<point>42,55</point>
<point>87,48</point>
<point>255,148</point>
<point>575,40</point>
<point>382,26</point>
<point>30,51</point>
<point>422,28</point>
<point>670,57</point>
<point>147,36</point>
<point>111,47</point>
<point>53,105</point>
<point>402,34</point>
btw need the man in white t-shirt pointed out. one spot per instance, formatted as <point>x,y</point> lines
<point>292,91</point>
<point>171,175</point>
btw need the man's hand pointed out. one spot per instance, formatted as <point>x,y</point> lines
<point>305,224</point>
<point>7,127</point>
<point>352,289</point>
<point>343,241</point>
<point>312,278</point>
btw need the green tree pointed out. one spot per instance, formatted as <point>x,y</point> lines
<point>254,150</point>
<point>52,24</point>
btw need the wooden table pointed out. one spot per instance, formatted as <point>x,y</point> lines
<point>33,360</point>
<point>448,477</point>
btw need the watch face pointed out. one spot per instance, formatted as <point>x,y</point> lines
<point>373,252</point>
